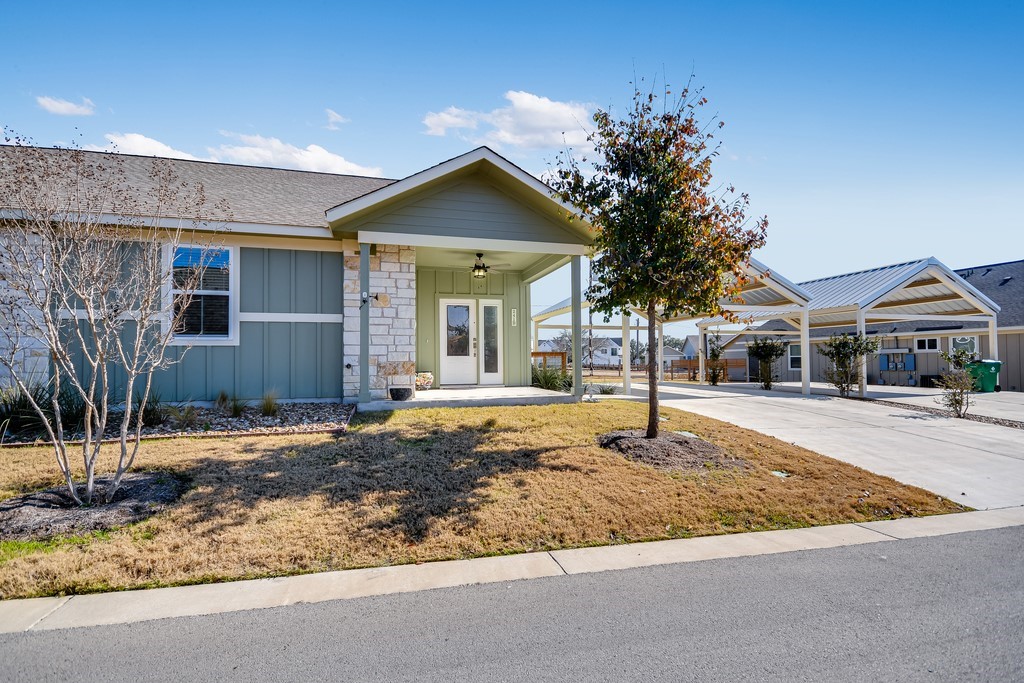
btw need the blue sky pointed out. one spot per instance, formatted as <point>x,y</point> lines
<point>869,133</point>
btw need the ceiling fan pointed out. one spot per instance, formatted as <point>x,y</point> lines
<point>480,269</point>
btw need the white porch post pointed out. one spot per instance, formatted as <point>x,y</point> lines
<point>627,360</point>
<point>993,340</point>
<point>661,352</point>
<point>702,343</point>
<point>577,327</point>
<point>863,359</point>
<point>536,336</point>
<point>805,352</point>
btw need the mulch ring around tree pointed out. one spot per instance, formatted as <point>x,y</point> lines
<point>672,451</point>
<point>46,514</point>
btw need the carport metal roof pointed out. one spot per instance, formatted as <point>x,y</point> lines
<point>768,296</point>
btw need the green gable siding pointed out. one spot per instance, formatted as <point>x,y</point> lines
<point>470,208</point>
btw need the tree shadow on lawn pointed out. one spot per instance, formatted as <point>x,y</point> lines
<point>398,480</point>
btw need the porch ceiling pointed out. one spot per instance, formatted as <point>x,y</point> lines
<point>445,257</point>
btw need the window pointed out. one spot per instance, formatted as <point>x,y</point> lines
<point>969,344</point>
<point>210,313</point>
<point>795,359</point>
<point>615,351</point>
<point>927,345</point>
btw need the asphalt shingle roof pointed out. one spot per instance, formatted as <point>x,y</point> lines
<point>252,194</point>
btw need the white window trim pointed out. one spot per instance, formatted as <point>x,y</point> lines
<point>937,349</point>
<point>789,357</point>
<point>234,294</point>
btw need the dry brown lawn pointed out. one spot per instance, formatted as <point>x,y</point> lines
<point>433,484</point>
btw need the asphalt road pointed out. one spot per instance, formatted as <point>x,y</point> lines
<point>932,609</point>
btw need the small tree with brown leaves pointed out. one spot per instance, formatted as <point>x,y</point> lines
<point>667,243</point>
<point>87,268</point>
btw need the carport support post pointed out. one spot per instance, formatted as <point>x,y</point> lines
<point>863,359</point>
<point>805,352</point>
<point>364,322</point>
<point>661,352</point>
<point>702,345</point>
<point>993,340</point>
<point>627,352</point>
<point>577,327</point>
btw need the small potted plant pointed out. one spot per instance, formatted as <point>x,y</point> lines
<point>389,370</point>
<point>424,380</point>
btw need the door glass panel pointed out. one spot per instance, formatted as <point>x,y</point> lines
<point>490,338</point>
<point>458,330</point>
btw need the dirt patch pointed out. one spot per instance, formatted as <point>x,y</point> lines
<point>670,451</point>
<point>45,514</point>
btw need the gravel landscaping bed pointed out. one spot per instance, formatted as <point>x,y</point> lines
<point>291,418</point>
<point>1001,421</point>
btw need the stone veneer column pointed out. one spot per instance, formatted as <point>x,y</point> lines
<point>392,320</point>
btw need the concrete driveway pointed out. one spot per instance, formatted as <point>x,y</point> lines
<point>1008,405</point>
<point>979,465</point>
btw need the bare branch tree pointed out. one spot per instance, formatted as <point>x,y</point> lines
<point>91,293</point>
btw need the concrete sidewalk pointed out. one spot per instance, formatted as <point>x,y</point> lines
<point>976,464</point>
<point>40,614</point>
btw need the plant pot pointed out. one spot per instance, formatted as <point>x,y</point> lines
<point>424,380</point>
<point>400,393</point>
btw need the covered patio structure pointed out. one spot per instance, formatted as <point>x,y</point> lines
<point>922,290</point>
<point>768,296</point>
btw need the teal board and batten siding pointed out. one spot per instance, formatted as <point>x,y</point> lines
<point>434,284</point>
<point>292,358</point>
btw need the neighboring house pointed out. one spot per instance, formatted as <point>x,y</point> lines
<point>335,287</point>
<point>608,353</point>
<point>910,350</point>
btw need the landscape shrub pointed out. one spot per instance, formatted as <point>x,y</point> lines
<point>845,351</point>
<point>766,351</point>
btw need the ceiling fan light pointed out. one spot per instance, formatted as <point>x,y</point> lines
<point>479,271</point>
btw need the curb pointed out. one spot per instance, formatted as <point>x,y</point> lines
<point>125,607</point>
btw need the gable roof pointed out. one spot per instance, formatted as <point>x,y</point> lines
<point>253,194</point>
<point>864,287</point>
<point>481,161</point>
<point>1001,285</point>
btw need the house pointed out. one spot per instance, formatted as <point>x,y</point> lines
<point>335,287</point>
<point>910,353</point>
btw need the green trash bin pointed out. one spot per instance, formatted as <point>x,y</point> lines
<point>986,374</point>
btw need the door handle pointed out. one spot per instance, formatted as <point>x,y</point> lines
<point>474,347</point>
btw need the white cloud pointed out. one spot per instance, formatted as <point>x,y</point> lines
<point>136,143</point>
<point>66,108</point>
<point>438,123</point>
<point>262,151</point>
<point>528,122</point>
<point>334,119</point>
<point>253,150</point>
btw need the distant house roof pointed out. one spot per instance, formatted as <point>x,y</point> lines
<point>253,194</point>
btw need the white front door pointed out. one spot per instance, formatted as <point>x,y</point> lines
<point>458,341</point>
<point>491,342</point>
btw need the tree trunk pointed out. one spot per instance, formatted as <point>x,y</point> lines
<point>652,372</point>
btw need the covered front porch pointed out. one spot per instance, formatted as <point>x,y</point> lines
<point>438,270</point>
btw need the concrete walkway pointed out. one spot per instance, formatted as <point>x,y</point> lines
<point>1008,405</point>
<point>977,464</point>
<point>44,614</point>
